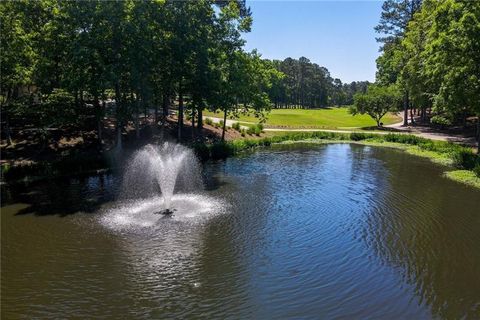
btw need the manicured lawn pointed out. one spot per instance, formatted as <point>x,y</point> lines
<point>331,118</point>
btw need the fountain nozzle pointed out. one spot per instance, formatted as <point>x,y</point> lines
<point>166,212</point>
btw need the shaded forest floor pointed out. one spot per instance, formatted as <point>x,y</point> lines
<point>33,145</point>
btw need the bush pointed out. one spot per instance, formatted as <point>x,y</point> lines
<point>404,138</point>
<point>357,136</point>
<point>202,151</point>
<point>236,126</point>
<point>476,170</point>
<point>209,121</point>
<point>464,158</point>
<point>441,121</point>
<point>221,150</point>
<point>256,129</point>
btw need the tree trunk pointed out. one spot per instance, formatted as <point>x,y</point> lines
<point>156,112</point>
<point>200,123</point>
<point>478,134</point>
<point>193,123</point>
<point>165,105</point>
<point>180,111</point>
<point>8,131</point>
<point>224,123</point>
<point>118,110</point>
<point>119,135</point>
<point>98,113</point>
<point>136,114</point>
<point>405,109</point>
<point>412,117</point>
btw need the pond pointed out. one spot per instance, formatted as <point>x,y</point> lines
<point>293,231</point>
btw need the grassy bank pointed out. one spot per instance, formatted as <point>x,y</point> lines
<point>329,118</point>
<point>463,163</point>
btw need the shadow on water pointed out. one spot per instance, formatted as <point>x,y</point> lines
<point>62,197</point>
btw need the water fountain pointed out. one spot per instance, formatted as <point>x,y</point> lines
<point>161,169</point>
<point>159,181</point>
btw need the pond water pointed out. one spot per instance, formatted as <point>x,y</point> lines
<point>293,231</point>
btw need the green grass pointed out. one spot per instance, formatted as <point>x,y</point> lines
<point>464,176</point>
<point>331,118</point>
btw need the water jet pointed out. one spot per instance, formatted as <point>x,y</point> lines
<point>162,169</point>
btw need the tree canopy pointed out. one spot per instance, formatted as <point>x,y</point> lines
<point>432,52</point>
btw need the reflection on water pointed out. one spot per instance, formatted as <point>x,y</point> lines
<point>330,231</point>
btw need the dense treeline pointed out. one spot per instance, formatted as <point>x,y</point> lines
<point>308,85</point>
<point>431,53</point>
<point>66,62</point>
<point>70,64</point>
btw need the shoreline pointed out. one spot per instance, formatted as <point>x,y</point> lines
<point>459,161</point>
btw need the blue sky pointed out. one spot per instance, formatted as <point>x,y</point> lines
<point>338,35</point>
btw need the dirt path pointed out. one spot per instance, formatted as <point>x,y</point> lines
<point>431,133</point>
<point>229,121</point>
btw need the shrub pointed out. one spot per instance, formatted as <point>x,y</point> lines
<point>202,151</point>
<point>209,121</point>
<point>357,136</point>
<point>476,170</point>
<point>464,158</point>
<point>255,129</point>
<point>221,150</point>
<point>441,121</point>
<point>236,126</point>
<point>404,138</point>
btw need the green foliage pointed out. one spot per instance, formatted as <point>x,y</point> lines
<point>236,126</point>
<point>464,176</point>
<point>404,138</point>
<point>464,158</point>
<point>255,129</point>
<point>305,84</point>
<point>441,121</point>
<point>358,136</point>
<point>476,169</point>
<point>208,121</point>
<point>376,102</point>
<point>432,53</point>
<point>58,108</point>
